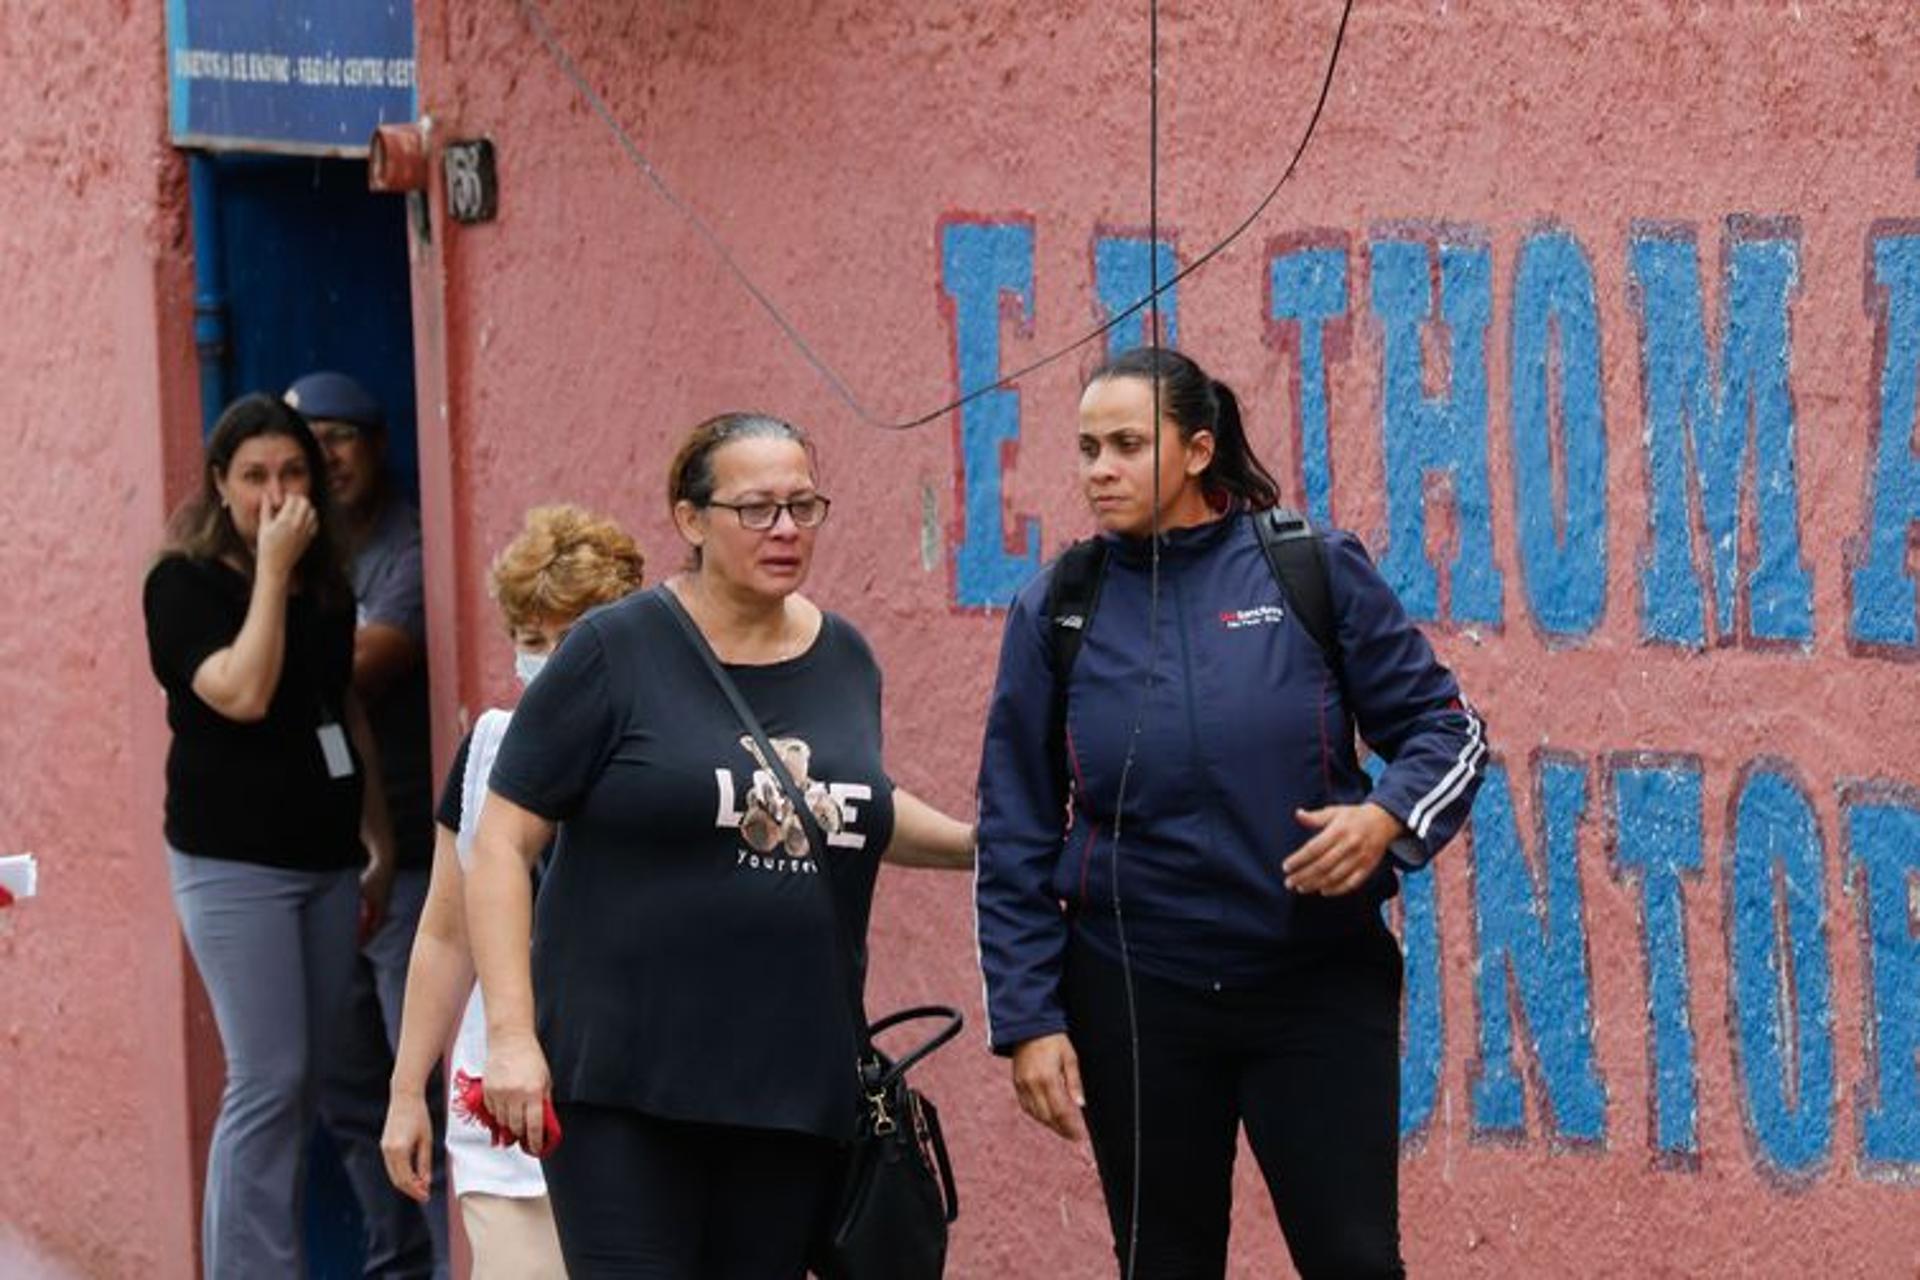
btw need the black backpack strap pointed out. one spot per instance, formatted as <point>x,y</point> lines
<point>1072,595</point>
<point>1299,564</point>
<point>1294,554</point>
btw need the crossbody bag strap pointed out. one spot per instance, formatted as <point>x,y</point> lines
<point>816,838</point>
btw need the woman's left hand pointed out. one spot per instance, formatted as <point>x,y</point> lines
<point>518,1086</point>
<point>376,886</point>
<point>406,1144</point>
<point>376,827</point>
<point>1348,842</point>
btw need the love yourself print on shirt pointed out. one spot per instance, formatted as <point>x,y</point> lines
<point>774,836</point>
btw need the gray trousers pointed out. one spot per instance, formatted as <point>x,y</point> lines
<point>403,1242</point>
<point>275,949</point>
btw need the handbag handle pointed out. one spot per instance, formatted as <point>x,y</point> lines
<point>919,1012</point>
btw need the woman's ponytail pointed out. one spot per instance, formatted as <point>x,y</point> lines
<point>1236,470</point>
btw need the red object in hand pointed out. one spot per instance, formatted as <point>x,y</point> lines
<point>470,1104</point>
<point>6,898</point>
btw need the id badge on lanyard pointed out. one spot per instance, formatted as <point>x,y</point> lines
<point>333,746</point>
<point>333,740</point>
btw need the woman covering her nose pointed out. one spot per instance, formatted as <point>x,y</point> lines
<point>273,839</point>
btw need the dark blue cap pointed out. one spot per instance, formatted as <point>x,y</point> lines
<point>334,397</point>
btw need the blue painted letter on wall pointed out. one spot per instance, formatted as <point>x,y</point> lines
<point>1698,408</point>
<point>1445,433</point>
<point>982,263</point>
<point>1309,290</point>
<point>1556,331</point>
<point>1883,591</point>
<point>1883,838</point>
<point>1539,941</point>
<point>1657,806</point>
<point>1122,278</point>
<point>1782,1010</point>
<point>1423,1039</point>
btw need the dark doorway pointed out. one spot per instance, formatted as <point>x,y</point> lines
<point>299,267</point>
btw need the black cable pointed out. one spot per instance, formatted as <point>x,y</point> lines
<point>793,335</point>
<point>1131,1255</point>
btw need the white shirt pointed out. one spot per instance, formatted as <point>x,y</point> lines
<point>475,1163</point>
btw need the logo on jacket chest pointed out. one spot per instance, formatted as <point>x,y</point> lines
<point>1260,615</point>
<point>771,829</point>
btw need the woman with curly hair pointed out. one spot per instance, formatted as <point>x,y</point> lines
<point>564,562</point>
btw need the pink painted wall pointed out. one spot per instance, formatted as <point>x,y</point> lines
<point>96,389</point>
<point>834,148</point>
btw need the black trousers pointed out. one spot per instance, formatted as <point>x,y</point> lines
<point>636,1196</point>
<point>1309,1063</point>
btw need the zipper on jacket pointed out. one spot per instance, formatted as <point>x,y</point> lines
<point>1080,814</point>
<point>1205,784</point>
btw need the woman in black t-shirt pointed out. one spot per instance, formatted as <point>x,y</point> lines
<point>250,632</point>
<point>693,1028</point>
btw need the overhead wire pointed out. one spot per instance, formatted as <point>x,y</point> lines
<point>821,366</point>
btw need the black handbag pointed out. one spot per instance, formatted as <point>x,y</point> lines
<point>896,1198</point>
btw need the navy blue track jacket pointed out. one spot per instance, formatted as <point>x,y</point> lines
<point>1244,722</point>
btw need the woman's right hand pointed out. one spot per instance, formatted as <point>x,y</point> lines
<point>1046,1079</point>
<point>285,534</point>
<point>407,1145</point>
<point>517,1085</point>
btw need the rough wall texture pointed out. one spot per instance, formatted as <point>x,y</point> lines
<point>95,380</point>
<point>1598,323</point>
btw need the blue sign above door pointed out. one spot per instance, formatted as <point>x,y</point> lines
<point>312,77</point>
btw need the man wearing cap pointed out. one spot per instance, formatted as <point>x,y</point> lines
<point>379,532</point>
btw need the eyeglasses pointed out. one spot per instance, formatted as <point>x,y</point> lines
<point>808,513</point>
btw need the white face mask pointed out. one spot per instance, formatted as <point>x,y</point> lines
<point>527,665</point>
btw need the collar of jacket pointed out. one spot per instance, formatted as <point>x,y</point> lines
<point>1189,543</point>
